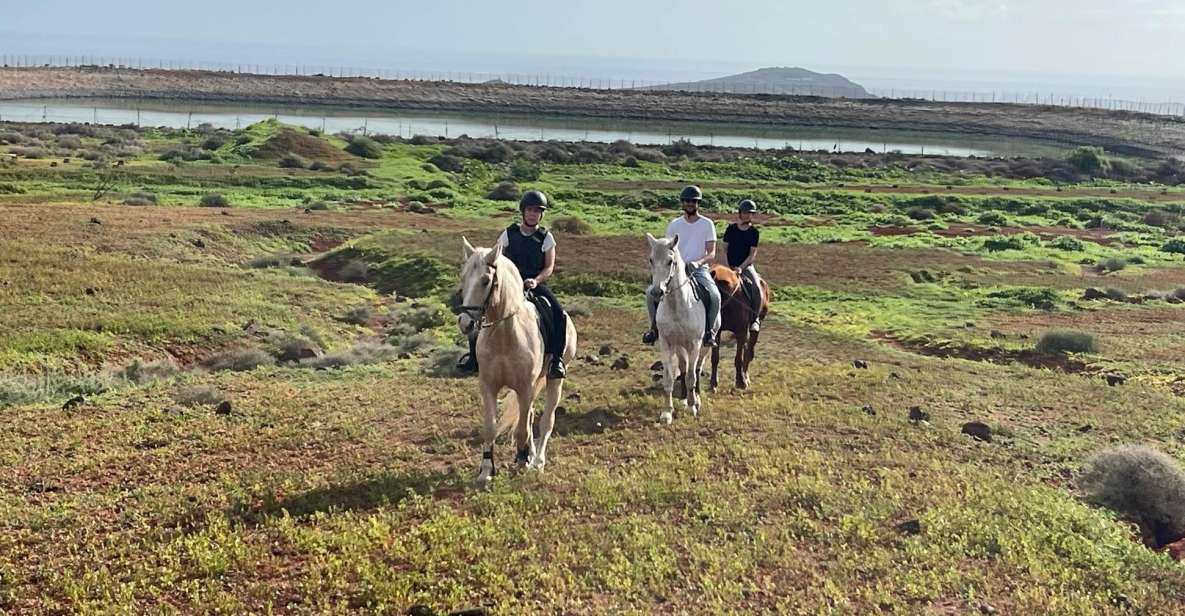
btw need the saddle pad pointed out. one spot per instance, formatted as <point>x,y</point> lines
<point>545,320</point>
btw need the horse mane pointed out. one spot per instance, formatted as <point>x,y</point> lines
<point>727,280</point>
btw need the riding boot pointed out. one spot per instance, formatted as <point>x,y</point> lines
<point>468,363</point>
<point>558,371</point>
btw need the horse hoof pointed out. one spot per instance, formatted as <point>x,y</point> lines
<point>742,385</point>
<point>536,465</point>
<point>666,417</point>
<point>694,411</point>
<point>712,389</point>
<point>483,482</point>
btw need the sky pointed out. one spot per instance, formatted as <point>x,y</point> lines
<point>1131,44</point>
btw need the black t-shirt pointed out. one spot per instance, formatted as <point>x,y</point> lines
<point>740,243</point>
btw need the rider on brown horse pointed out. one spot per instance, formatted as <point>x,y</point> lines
<point>740,249</point>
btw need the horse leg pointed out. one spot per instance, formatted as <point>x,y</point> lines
<point>749,350</point>
<point>489,431</point>
<point>742,377</point>
<point>715,369</point>
<point>555,390</point>
<point>695,363</point>
<point>523,442</point>
<point>668,383</point>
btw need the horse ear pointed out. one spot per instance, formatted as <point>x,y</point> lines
<point>492,256</point>
<point>675,242</point>
<point>650,239</point>
<point>467,247</point>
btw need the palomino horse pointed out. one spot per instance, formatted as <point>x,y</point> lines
<point>510,353</point>
<point>680,322</point>
<point>735,316</point>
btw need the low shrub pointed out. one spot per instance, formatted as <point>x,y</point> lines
<point>361,354</point>
<point>1060,341</point>
<point>199,395</point>
<point>504,191</point>
<point>1141,484</point>
<point>140,372</point>
<point>571,225</point>
<point>214,200</point>
<point>365,147</point>
<point>239,360</point>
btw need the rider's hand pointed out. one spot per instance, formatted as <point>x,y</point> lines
<point>736,269</point>
<point>530,283</point>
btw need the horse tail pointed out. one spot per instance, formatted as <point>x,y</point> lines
<point>509,419</point>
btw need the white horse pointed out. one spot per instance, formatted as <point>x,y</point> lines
<point>680,322</point>
<point>510,355</point>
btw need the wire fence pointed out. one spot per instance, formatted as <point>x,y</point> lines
<point>1049,98</point>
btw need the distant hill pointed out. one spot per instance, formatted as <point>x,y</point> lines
<point>775,80</point>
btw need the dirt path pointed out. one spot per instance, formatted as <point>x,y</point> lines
<point>1122,132</point>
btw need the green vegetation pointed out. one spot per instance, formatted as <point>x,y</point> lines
<point>246,410</point>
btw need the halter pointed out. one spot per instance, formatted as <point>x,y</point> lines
<point>671,276</point>
<point>479,317</point>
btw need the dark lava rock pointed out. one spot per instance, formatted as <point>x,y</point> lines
<point>910,527</point>
<point>978,431</point>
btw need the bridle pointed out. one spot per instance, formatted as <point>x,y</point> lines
<point>478,313</point>
<point>665,290</point>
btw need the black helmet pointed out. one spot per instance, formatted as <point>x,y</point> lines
<point>533,198</point>
<point>747,206</point>
<point>691,193</point>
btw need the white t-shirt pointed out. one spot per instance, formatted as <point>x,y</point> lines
<point>504,241</point>
<point>693,237</point>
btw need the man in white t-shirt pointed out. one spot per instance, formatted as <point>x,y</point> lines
<point>697,246</point>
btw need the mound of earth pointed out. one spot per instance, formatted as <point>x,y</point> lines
<point>288,141</point>
<point>776,80</point>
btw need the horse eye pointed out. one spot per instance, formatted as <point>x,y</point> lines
<point>485,279</point>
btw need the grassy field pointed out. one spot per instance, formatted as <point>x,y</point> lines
<point>268,422</point>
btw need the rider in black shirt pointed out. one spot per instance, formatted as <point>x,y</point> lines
<point>740,241</point>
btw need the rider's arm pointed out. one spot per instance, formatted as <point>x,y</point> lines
<point>709,253</point>
<point>548,266</point>
<point>750,260</point>
<point>722,257</point>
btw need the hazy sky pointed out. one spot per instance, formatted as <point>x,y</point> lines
<point>1143,39</point>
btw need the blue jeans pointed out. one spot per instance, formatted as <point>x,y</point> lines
<point>711,299</point>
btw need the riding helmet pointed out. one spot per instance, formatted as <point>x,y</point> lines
<point>533,198</point>
<point>691,193</point>
<point>747,206</point>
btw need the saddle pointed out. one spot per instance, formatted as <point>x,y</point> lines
<point>544,319</point>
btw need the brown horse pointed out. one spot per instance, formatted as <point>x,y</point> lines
<point>735,317</point>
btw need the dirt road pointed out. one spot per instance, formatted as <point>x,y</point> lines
<point>1118,131</point>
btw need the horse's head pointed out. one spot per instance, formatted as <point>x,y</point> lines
<point>488,285</point>
<point>665,261</point>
